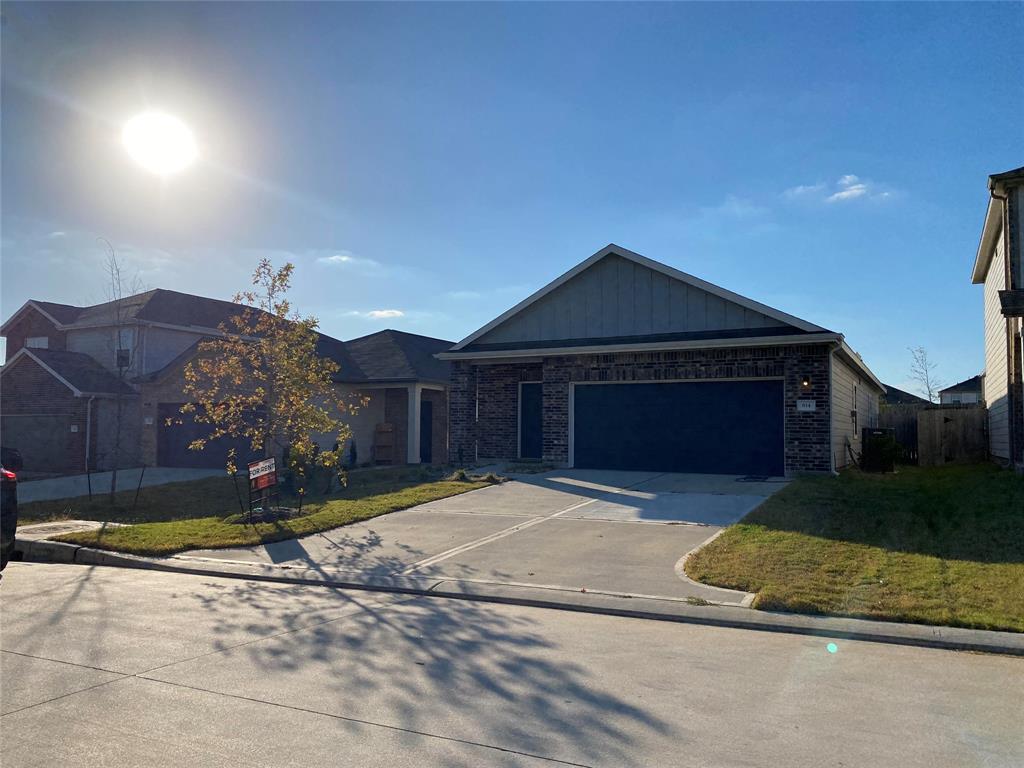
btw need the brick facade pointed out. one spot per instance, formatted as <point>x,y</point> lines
<point>35,404</point>
<point>30,324</point>
<point>493,390</point>
<point>462,413</point>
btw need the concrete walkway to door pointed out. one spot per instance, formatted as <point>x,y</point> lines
<point>599,531</point>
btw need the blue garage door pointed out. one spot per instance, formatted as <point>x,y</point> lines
<point>728,427</point>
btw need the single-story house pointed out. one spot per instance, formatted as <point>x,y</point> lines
<point>968,391</point>
<point>999,267</point>
<point>627,363</point>
<point>70,369</point>
<point>895,396</point>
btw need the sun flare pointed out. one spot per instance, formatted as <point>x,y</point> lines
<point>160,143</point>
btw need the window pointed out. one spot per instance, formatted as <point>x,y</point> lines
<point>38,342</point>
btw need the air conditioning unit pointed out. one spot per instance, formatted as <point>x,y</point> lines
<point>878,449</point>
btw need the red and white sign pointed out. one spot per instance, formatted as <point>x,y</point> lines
<point>262,474</point>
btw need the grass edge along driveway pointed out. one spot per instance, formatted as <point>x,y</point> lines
<point>219,532</point>
<point>934,546</point>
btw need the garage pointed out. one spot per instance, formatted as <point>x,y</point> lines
<point>626,363</point>
<point>173,440</point>
<point>734,427</point>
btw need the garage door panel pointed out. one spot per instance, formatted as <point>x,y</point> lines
<point>709,427</point>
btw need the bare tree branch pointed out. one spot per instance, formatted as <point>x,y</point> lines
<point>922,370</point>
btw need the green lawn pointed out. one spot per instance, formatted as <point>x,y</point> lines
<point>202,514</point>
<point>935,546</point>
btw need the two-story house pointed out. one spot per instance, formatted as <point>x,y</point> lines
<point>71,370</point>
<point>999,266</point>
<point>967,392</point>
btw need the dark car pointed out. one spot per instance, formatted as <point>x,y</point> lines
<point>10,463</point>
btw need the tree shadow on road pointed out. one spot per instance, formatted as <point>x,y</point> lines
<point>460,669</point>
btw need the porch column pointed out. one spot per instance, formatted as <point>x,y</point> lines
<point>413,424</point>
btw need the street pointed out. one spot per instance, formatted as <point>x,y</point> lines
<point>106,666</point>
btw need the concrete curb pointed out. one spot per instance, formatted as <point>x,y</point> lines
<point>747,598</point>
<point>674,610</point>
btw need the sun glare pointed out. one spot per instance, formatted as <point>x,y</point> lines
<point>160,143</point>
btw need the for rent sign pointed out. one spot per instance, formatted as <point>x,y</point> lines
<point>262,475</point>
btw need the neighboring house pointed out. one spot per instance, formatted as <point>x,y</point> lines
<point>968,391</point>
<point>894,396</point>
<point>999,266</point>
<point>626,363</point>
<point>61,386</point>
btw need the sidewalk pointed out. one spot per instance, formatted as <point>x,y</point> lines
<point>640,607</point>
<point>127,479</point>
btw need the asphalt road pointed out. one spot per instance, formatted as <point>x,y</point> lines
<point>102,666</point>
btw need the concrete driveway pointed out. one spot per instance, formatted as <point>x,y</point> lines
<point>602,531</point>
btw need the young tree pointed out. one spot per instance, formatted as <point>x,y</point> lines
<point>922,370</point>
<point>124,345</point>
<point>263,381</point>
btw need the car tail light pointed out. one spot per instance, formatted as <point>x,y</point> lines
<point>8,475</point>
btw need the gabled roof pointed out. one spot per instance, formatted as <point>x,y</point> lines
<point>997,184</point>
<point>392,355</point>
<point>615,250</point>
<point>386,356</point>
<point>75,370</point>
<point>159,305</point>
<point>895,396</point>
<point>973,384</point>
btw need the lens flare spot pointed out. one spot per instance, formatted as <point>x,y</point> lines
<point>831,647</point>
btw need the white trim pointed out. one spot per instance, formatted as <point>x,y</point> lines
<point>572,424</point>
<point>26,352</point>
<point>664,269</point>
<point>37,308</point>
<point>831,409</point>
<point>989,235</point>
<point>604,349</point>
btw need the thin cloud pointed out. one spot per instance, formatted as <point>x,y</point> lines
<point>377,314</point>
<point>804,190</point>
<point>847,187</point>
<point>347,259</point>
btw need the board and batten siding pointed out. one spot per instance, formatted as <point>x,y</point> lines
<point>995,356</point>
<point>618,297</point>
<point>850,392</point>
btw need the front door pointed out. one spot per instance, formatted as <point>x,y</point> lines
<point>531,425</point>
<point>426,431</point>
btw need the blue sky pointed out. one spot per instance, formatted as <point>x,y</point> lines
<point>426,166</point>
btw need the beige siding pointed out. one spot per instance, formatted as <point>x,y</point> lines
<point>995,357</point>
<point>161,345</point>
<point>618,297</point>
<point>850,392</point>
<point>363,423</point>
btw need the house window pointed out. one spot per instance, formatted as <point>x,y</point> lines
<point>38,342</point>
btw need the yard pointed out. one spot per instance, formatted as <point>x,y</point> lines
<point>936,546</point>
<point>205,513</point>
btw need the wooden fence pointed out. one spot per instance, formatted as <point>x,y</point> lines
<point>933,435</point>
<point>902,419</point>
<point>951,434</point>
